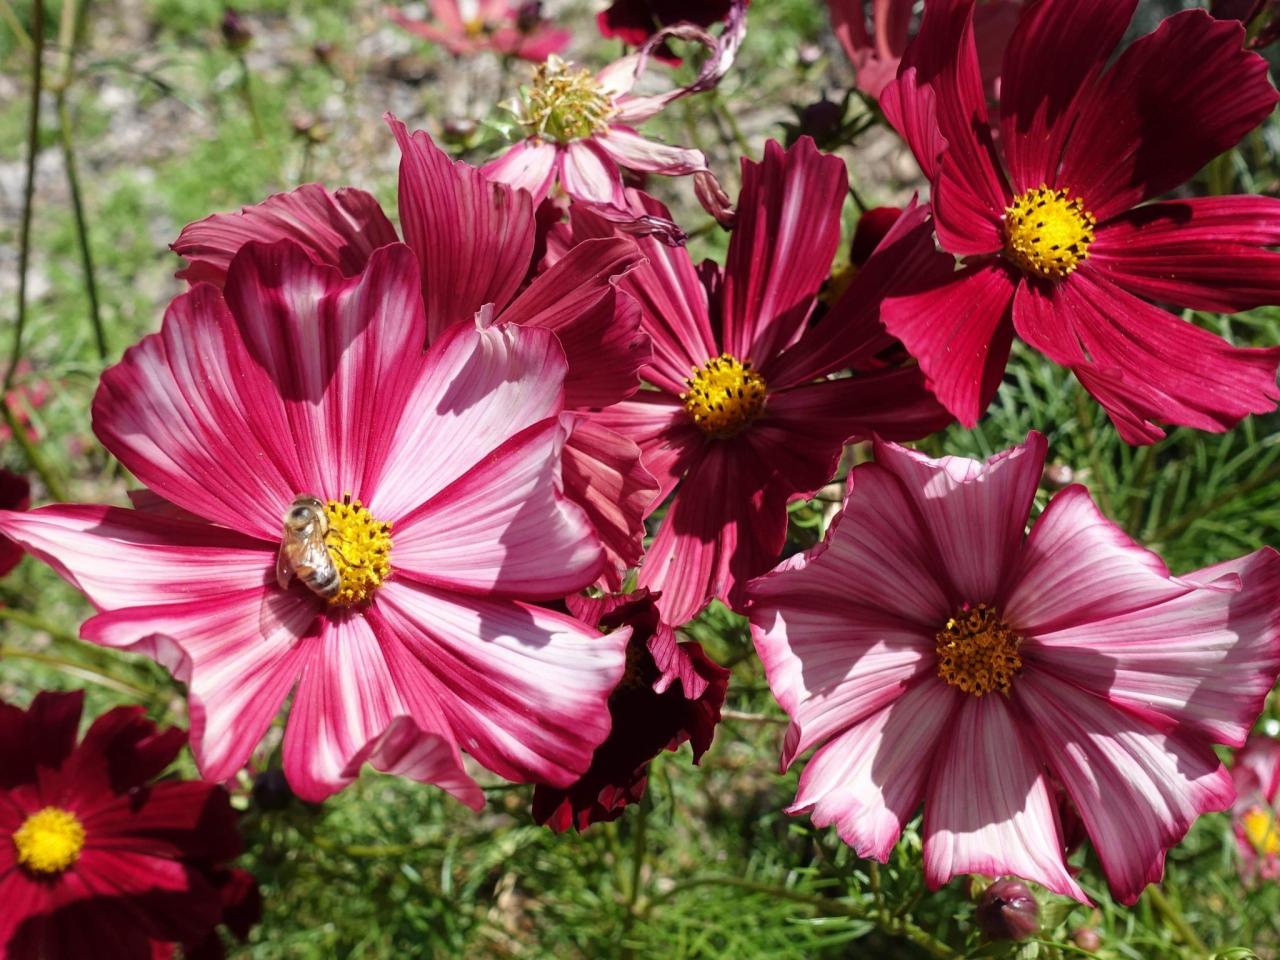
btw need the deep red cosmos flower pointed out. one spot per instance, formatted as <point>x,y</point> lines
<point>635,21</point>
<point>474,241</point>
<point>1256,775</point>
<point>464,27</point>
<point>97,857</point>
<point>745,415</point>
<point>671,692</point>
<point>936,653</point>
<point>1061,246</point>
<point>15,494</point>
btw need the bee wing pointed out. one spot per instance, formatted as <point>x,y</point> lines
<point>284,568</point>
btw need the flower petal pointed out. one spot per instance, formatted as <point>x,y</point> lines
<point>974,512</point>
<point>961,334</point>
<point>1143,129</point>
<point>1204,253</point>
<point>784,239</point>
<point>473,236</point>
<point>629,149</point>
<point>1137,789</point>
<point>989,808</point>
<point>525,690</point>
<point>360,698</point>
<point>341,229</point>
<point>870,779</point>
<point>658,423</point>
<point>589,174</point>
<point>529,165</point>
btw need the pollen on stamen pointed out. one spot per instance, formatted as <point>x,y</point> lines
<point>565,104</point>
<point>360,545</point>
<point>1048,232</point>
<point>724,395</point>
<point>49,841</point>
<point>977,651</point>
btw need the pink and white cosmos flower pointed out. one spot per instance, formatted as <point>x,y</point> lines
<point>1256,775</point>
<point>467,27</point>
<point>440,472</point>
<point>938,654</point>
<point>580,128</point>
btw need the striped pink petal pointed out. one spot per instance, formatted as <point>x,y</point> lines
<point>529,165</point>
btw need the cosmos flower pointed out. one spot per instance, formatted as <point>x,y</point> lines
<point>876,53</point>
<point>15,494</point>
<point>635,21</point>
<point>939,654</point>
<point>1061,246</point>
<point>744,416</point>
<point>670,693</point>
<point>94,850</point>
<point>438,477</point>
<point>1256,776</point>
<point>579,128</point>
<point>475,242</point>
<point>465,27</point>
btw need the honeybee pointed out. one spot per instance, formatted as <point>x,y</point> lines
<point>302,549</point>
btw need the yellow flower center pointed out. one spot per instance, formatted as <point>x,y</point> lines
<point>565,104</point>
<point>977,651</point>
<point>724,395</point>
<point>360,545</point>
<point>475,27</point>
<point>1260,828</point>
<point>49,841</point>
<point>1047,232</point>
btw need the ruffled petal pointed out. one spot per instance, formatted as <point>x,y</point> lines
<point>473,236</point>
<point>785,236</point>
<point>341,229</point>
<point>960,332</point>
<point>477,388</point>
<point>1143,128</point>
<point>629,149</point>
<point>359,698</point>
<point>658,423</point>
<point>525,690</point>
<point>990,808</point>
<point>911,107</point>
<point>589,174</point>
<point>870,779</point>
<point>1137,788</point>
<point>529,165</point>
<point>503,528</point>
<point>975,512</point>
<point>1204,253</point>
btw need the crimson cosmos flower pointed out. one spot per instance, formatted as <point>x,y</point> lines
<point>1256,776</point>
<point>940,654</point>
<point>295,380</point>
<point>745,416</point>
<point>1060,244</point>
<point>97,858</point>
<point>474,241</point>
<point>671,692</point>
<point>465,27</point>
<point>635,21</point>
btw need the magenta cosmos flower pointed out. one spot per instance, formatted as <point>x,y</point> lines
<point>465,27</point>
<point>938,654</point>
<point>97,857</point>
<point>579,129</point>
<point>439,477</point>
<point>475,243</point>
<point>1059,242</point>
<point>876,52</point>
<point>744,416</point>
<point>672,692</point>
<point>1256,776</point>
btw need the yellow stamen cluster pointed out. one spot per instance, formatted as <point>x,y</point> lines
<point>360,546</point>
<point>49,841</point>
<point>565,104</point>
<point>724,395</point>
<point>1047,232</point>
<point>977,651</point>
<point>1260,828</point>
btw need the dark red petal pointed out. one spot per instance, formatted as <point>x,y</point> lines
<point>960,332</point>
<point>174,819</point>
<point>1145,127</point>
<point>1057,50</point>
<point>340,229</point>
<point>1204,253</point>
<point>43,735</point>
<point>121,750</point>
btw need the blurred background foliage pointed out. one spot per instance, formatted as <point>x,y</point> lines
<point>165,123</point>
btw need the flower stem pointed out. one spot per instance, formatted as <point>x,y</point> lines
<point>13,23</point>
<point>35,458</point>
<point>1176,920</point>
<point>29,190</point>
<point>80,670</point>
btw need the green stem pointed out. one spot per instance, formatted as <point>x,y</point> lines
<point>83,671</point>
<point>82,227</point>
<point>36,460</point>
<point>13,23</point>
<point>1189,517</point>
<point>29,191</point>
<point>1176,920</point>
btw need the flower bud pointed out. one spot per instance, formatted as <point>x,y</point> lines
<point>1086,938</point>
<point>529,16</point>
<point>271,790</point>
<point>236,31</point>
<point>1008,911</point>
<point>821,119</point>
